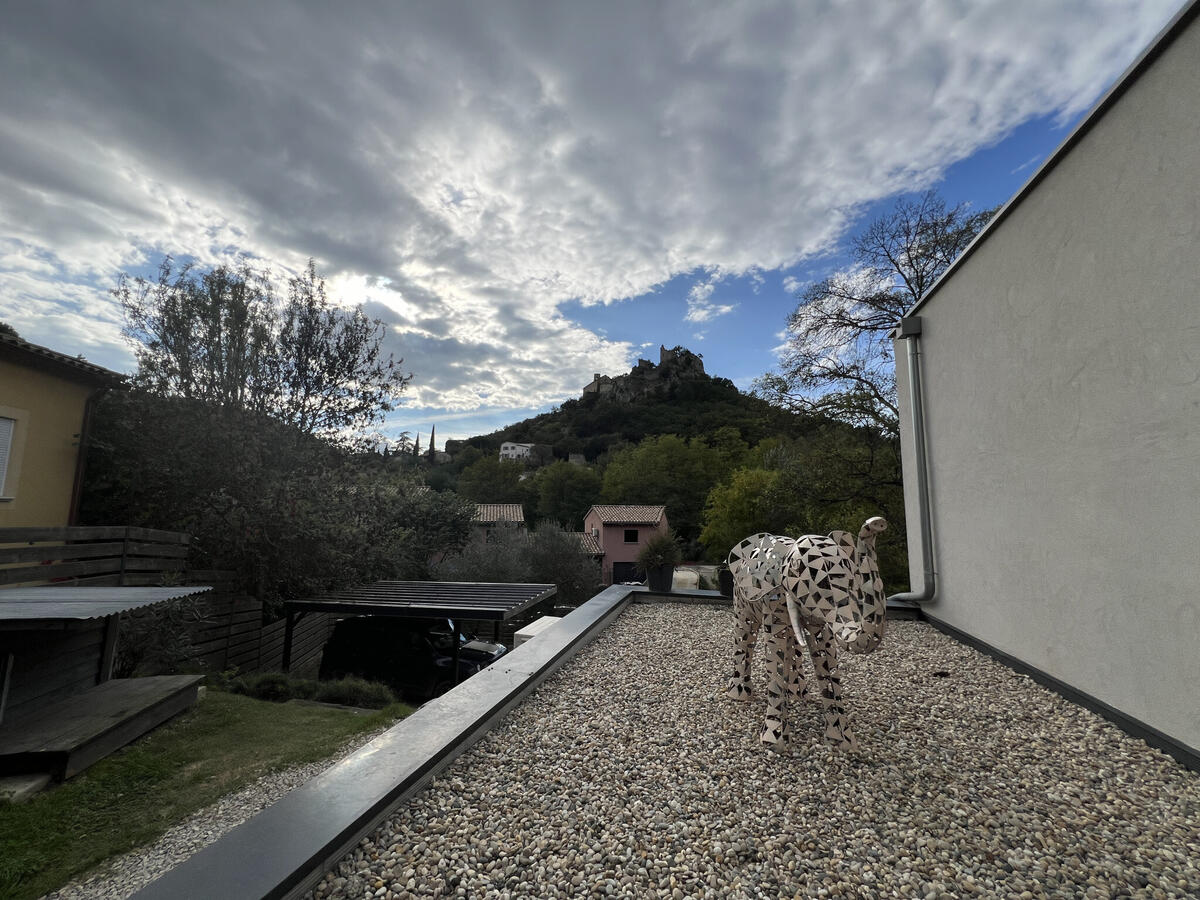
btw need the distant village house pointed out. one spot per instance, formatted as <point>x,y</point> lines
<point>490,518</point>
<point>620,533</point>
<point>512,450</point>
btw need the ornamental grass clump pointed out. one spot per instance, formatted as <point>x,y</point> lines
<point>663,549</point>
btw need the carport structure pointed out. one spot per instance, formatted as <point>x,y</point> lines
<point>453,600</point>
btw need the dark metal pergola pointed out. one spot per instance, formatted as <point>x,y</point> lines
<point>453,600</point>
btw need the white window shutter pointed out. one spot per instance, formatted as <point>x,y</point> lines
<point>6,437</point>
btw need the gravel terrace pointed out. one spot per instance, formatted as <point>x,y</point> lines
<point>629,773</point>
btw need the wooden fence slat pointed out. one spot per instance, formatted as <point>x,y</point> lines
<point>99,580</point>
<point>63,570</point>
<point>245,659</point>
<point>36,681</point>
<point>18,534</point>
<point>39,552</point>
<point>213,575</point>
<point>174,551</point>
<point>153,564</point>
<point>155,534</point>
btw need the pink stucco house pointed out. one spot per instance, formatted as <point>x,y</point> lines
<point>622,531</point>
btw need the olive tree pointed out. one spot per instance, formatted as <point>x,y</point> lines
<point>221,336</point>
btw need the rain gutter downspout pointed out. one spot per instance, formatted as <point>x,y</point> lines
<point>85,433</point>
<point>909,330</point>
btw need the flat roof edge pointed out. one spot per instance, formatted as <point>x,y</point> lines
<point>285,849</point>
<point>1159,45</point>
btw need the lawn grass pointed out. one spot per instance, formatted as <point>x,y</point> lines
<point>133,796</point>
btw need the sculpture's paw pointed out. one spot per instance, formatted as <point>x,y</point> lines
<point>841,739</point>
<point>808,693</point>
<point>738,690</point>
<point>775,735</point>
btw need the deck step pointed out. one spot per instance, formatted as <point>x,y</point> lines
<point>72,734</point>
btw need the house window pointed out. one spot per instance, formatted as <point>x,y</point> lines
<point>7,427</point>
<point>631,536</point>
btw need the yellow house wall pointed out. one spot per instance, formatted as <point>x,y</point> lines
<point>41,468</point>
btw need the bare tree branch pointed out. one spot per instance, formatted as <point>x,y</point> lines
<point>838,358</point>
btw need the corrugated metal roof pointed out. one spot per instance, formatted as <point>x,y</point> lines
<point>67,602</point>
<point>431,599</point>
<point>630,515</point>
<point>491,513</point>
<point>589,542</point>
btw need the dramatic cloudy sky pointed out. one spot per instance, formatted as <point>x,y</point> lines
<point>526,193</point>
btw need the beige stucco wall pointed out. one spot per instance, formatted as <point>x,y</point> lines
<point>1062,383</point>
<point>41,471</point>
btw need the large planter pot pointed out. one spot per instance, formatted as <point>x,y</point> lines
<point>725,577</point>
<point>659,578</point>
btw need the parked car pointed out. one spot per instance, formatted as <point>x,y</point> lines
<point>415,657</point>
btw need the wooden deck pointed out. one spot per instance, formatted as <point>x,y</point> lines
<point>72,734</point>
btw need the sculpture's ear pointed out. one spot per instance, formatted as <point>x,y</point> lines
<point>845,540</point>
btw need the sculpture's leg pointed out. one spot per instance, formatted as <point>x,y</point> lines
<point>775,730</point>
<point>812,688</point>
<point>797,689</point>
<point>747,620</point>
<point>825,660</point>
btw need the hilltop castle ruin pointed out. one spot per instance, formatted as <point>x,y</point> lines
<point>677,363</point>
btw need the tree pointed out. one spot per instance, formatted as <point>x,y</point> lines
<point>203,335</point>
<point>292,514</point>
<point>670,471</point>
<point>835,478</point>
<point>333,378</point>
<point>492,480</point>
<point>566,492</point>
<point>557,557</point>
<point>221,337</point>
<point>546,555</point>
<point>739,508</point>
<point>838,360</point>
<point>246,428</point>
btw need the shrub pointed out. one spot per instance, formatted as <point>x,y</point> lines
<point>274,686</point>
<point>662,549</point>
<point>279,688</point>
<point>355,692</point>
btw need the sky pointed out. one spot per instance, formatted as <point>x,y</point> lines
<point>524,193</point>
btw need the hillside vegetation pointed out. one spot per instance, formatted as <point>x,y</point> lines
<point>674,397</point>
<point>725,464</point>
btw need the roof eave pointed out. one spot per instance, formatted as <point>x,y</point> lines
<point>1129,77</point>
<point>43,359</point>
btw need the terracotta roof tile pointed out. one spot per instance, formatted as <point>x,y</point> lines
<point>630,515</point>
<point>589,542</point>
<point>491,513</point>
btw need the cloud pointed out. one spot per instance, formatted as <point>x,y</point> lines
<point>700,308</point>
<point>466,168</point>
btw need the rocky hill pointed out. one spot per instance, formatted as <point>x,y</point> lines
<point>676,396</point>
